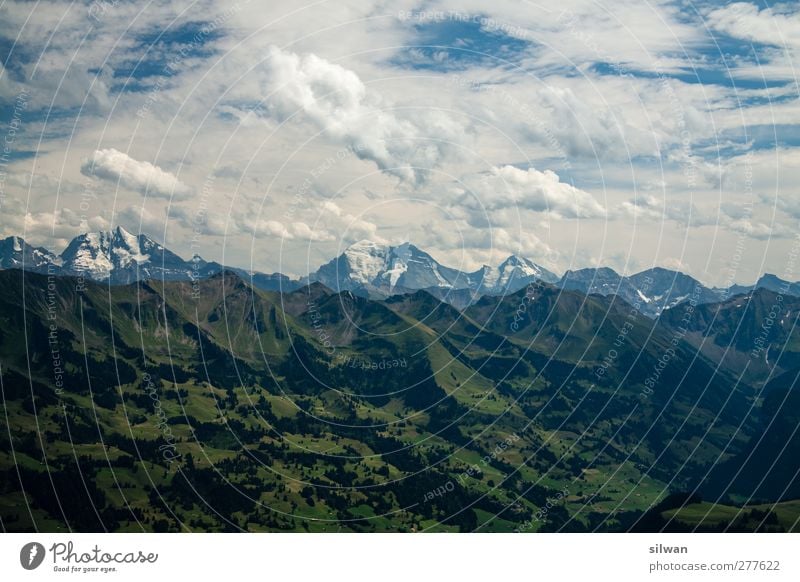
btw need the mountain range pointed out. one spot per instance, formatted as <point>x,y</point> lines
<point>370,270</point>
<point>218,406</point>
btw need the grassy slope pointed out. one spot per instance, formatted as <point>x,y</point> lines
<point>275,431</point>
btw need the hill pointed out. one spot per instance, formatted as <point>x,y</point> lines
<point>217,406</point>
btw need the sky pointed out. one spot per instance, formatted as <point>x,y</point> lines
<point>270,136</point>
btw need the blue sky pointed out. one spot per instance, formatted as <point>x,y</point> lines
<point>622,133</point>
<point>460,44</point>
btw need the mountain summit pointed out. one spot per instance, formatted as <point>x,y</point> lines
<point>513,274</point>
<point>15,253</point>
<point>651,291</point>
<point>379,270</point>
<point>122,257</point>
<point>373,270</point>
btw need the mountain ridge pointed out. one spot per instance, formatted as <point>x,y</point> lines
<point>373,270</point>
<point>368,404</point>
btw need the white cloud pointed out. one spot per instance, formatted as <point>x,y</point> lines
<point>778,27</point>
<point>272,228</point>
<point>766,26</point>
<point>549,107</point>
<point>735,218</point>
<point>202,220</point>
<point>468,248</point>
<point>143,177</point>
<point>301,230</point>
<point>352,228</point>
<point>292,231</point>
<point>757,230</point>
<point>137,218</point>
<point>47,228</point>
<point>684,213</point>
<point>789,204</point>
<point>509,187</point>
<point>403,143</point>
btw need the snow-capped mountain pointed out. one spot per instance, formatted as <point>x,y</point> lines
<point>381,270</point>
<point>122,257</point>
<point>650,291</point>
<point>512,275</point>
<point>89,254</point>
<point>369,269</point>
<point>15,253</point>
<point>664,289</point>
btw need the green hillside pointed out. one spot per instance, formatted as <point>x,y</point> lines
<point>214,406</point>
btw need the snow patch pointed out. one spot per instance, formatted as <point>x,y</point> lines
<point>398,263</point>
<point>92,255</point>
<point>489,277</point>
<point>366,260</point>
<point>126,249</point>
<point>442,281</point>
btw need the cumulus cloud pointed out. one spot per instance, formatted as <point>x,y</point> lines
<point>406,144</point>
<point>143,177</point>
<point>291,231</point>
<point>596,90</point>
<point>758,230</point>
<point>469,249</point>
<point>352,228</point>
<point>749,22</point>
<point>326,223</point>
<point>271,228</point>
<point>303,231</point>
<point>510,187</point>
